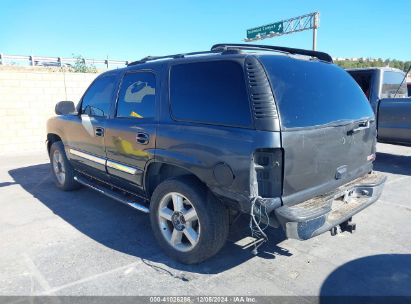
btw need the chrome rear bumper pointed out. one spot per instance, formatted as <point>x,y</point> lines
<point>320,214</point>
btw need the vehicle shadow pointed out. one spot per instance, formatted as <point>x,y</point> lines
<point>384,278</point>
<point>6,184</point>
<point>127,230</point>
<point>391,163</point>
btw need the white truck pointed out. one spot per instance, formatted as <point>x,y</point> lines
<point>386,89</point>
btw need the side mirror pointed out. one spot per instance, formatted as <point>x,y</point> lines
<point>65,107</point>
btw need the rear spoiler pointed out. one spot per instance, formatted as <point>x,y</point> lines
<point>241,46</point>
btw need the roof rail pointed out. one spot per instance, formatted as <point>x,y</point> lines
<point>175,56</point>
<point>151,58</point>
<point>241,46</point>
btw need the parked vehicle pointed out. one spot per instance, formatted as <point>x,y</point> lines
<point>51,64</point>
<point>195,139</point>
<point>387,93</point>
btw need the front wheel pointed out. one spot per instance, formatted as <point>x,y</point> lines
<point>63,172</point>
<point>187,221</point>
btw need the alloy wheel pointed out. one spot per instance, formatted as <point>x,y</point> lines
<point>179,222</point>
<point>58,167</point>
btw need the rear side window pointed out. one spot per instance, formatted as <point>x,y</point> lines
<point>312,93</point>
<point>97,100</point>
<point>137,96</point>
<point>391,83</point>
<point>210,92</point>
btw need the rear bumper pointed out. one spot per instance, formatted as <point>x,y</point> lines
<point>317,215</point>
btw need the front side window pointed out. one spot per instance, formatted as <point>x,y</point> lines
<point>137,96</point>
<point>391,83</point>
<point>210,92</point>
<point>97,100</point>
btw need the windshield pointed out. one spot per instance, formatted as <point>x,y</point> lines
<point>313,93</point>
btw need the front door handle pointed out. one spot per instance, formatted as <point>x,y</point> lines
<point>142,138</point>
<point>99,131</point>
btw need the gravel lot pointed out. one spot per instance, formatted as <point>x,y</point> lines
<point>81,243</point>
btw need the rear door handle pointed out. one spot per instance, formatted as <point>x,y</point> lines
<point>142,138</point>
<point>99,131</point>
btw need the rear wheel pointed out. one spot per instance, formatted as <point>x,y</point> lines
<point>63,172</point>
<point>188,222</point>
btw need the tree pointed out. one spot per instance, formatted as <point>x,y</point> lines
<point>80,66</point>
<point>361,63</point>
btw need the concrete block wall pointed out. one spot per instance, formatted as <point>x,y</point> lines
<point>27,100</point>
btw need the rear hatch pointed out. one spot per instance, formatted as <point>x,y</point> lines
<point>327,126</point>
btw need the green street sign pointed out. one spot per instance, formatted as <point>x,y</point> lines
<point>265,30</point>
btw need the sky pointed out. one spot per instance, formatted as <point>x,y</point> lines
<point>130,30</point>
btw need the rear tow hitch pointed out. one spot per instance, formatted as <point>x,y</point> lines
<point>348,226</point>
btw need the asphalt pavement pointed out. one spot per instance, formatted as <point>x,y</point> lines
<point>82,243</point>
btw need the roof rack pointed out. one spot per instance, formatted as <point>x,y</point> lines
<point>175,56</point>
<point>230,48</point>
<point>241,46</point>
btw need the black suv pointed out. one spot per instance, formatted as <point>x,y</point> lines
<point>281,134</point>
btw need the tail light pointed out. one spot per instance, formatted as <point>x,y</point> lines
<point>267,172</point>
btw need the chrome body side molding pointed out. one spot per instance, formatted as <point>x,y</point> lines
<point>121,167</point>
<point>87,156</point>
<point>104,162</point>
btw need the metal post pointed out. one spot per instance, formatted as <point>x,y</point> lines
<point>314,38</point>
<point>1,59</point>
<point>315,26</point>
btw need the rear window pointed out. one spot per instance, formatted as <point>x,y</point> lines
<point>210,92</point>
<point>391,83</point>
<point>312,93</point>
<point>137,96</point>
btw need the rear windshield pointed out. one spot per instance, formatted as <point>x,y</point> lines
<point>393,85</point>
<point>312,93</point>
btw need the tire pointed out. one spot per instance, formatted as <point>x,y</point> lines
<point>63,172</point>
<point>173,228</point>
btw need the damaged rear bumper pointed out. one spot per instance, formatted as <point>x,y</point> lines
<point>320,214</point>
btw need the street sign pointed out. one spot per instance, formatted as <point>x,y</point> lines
<point>284,27</point>
<point>273,28</point>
